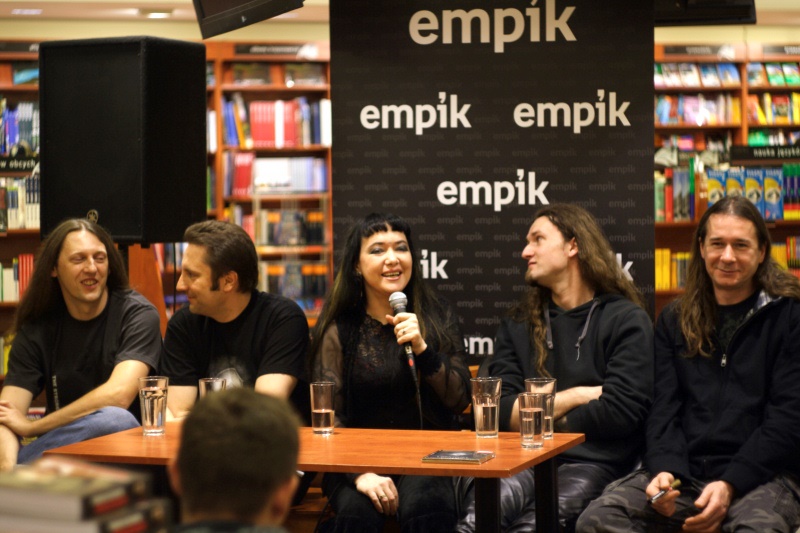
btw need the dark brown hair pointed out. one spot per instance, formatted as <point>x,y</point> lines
<point>598,265</point>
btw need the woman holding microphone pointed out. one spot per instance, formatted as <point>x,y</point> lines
<point>397,365</point>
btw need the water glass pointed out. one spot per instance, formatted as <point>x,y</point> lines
<point>322,413</point>
<point>485,406</point>
<point>549,409</point>
<point>206,385</point>
<point>545,386</point>
<point>531,419</point>
<point>153,401</point>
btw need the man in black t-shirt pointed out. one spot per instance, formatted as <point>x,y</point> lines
<point>726,404</point>
<point>82,336</point>
<point>230,329</point>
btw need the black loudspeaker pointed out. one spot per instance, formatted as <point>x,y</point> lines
<point>123,135</point>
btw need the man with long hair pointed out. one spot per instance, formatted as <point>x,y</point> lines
<point>235,466</point>
<point>582,323</point>
<point>84,337</point>
<point>726,406</point>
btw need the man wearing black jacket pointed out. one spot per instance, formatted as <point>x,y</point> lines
<point>726,407</point>
<point>582,323</point>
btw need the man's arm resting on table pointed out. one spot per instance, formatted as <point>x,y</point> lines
<point>15,398</point>
<point>180,400</point>
<point>565,402</point>
<point>278,385</point>
<point>119,391</point>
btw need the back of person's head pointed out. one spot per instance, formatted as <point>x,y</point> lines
<point>43,294</point>
<point>228,248</point>
<point>238,448</point>
<point>598,264</point>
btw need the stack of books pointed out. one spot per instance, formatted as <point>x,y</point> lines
<point>57,494</point>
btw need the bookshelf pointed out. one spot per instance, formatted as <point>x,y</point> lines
<point>748,142</point>
<point>19,139</point>
<point>272,165</point>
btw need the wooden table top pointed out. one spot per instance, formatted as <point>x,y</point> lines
<point>348,450</point>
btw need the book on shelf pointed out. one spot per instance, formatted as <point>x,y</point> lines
<point>715,184</point>
<point>312,74</point>
<point>252,73</point>
<point>242,121</point>
<point>766,105</point>
<point>3,207</point>
<point>277,175</point>
<point>289,227</point>
<point>671,73</point>
<point>24,72</point>
<point>243,174</point>
<point>211,133</point>
<point>773,194</point>
<point>791,73</point>
<point>305,282</point>
<point>671,269</point>
<point>754,187</point>
<point>286,123</point>
<point>729,74</point>
<point>775,74</point>
<point>262,116</point>
<point>781,109</point>
<point>69,489</point>
<point>658,76</point>
<point>690,75</point>
<point>709,75</point>
<point>756,75</point>
<point>755,112</point>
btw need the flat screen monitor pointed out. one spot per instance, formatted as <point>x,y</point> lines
<point>704,12</point>
<point>220,16</point>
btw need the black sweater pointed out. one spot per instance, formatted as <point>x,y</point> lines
<point>739,422</point>
<point>616,352</point>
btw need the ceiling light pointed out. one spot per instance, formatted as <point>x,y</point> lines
<point>26,11</point>
<point>156,13</point>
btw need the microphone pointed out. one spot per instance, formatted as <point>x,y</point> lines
<point>398,301</point>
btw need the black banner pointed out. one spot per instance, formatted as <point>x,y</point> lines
<point>466,117</point>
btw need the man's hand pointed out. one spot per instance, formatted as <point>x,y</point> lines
<point>714,501</point>
<point>569,399</point>
<point>15,420</point>
<point>380,490</point>
<point>665,505</point>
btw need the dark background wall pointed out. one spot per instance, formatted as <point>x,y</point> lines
<point>470,167</point>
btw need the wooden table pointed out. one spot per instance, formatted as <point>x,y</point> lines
<point>380,451</point>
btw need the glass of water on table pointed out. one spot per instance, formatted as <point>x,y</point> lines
<point>153,401</point>
<point>485,406</point>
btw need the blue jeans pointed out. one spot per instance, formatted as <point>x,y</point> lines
<point>102,422</point>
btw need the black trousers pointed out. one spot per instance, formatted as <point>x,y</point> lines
<point>426,504</point>
<point>578,484</point>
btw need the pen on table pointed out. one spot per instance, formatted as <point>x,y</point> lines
<point>657,496</point>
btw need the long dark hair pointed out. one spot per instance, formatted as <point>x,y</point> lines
<point>697,307</point>
<point>598,265</point>
<point>347,297</point>
<point>43,294</point>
